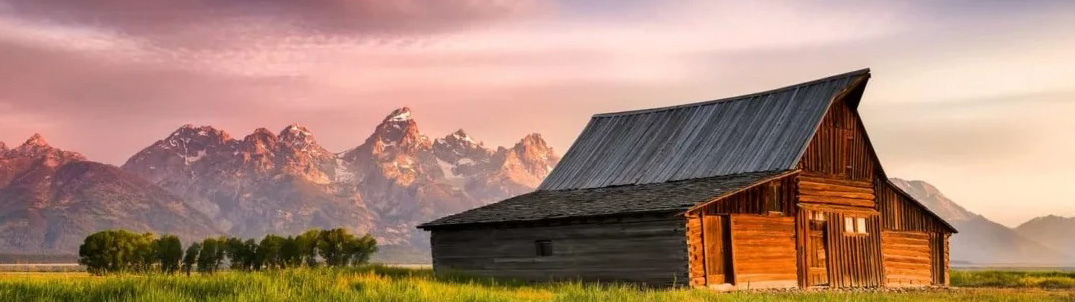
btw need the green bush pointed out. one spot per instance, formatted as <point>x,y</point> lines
<point>116,251</point>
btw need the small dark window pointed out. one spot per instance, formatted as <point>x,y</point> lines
<point>773,198</point>
<point>544,248</point>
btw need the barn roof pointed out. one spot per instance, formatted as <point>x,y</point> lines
<point>618,200</point>
<point>765,131</point>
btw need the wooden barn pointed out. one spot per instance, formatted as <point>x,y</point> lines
<point>777,189</point>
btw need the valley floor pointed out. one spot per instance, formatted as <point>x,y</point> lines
<point>403,284</point>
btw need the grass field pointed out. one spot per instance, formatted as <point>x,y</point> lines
<point>403,284</point>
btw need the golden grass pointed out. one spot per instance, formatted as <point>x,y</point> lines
<point>401,284</point>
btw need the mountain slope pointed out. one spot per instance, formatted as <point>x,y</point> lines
<point>50,199</point>
<point>981,240</point>
<point>1054,231</point>
<point>264,183</point>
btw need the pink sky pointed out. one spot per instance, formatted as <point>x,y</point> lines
<point>972,96</point>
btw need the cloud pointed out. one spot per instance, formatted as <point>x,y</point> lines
<point>335,16</point>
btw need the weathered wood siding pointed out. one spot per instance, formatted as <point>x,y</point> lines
<point>908,260</point>
<point>763,251</point>
<point>840,148</point>
<point>641,250</point>
<point>695,250</point>
<point>853,260</point>
<point>939,258</point>
<point>902,213</point>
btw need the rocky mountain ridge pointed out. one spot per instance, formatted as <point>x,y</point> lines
<point>285,183</point>
<point>50,199</point>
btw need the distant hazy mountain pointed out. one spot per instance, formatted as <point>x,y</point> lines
<point>1054,231</point>
<point>981,240</point>
<point>50,199</point>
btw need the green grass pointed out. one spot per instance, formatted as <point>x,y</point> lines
<point>1012,279</point>
<point>399,284</point>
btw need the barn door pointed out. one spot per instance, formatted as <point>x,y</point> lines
<point>817,253</point>
<point>716,240</point>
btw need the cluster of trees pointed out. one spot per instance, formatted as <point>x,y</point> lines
<point>122,251</point>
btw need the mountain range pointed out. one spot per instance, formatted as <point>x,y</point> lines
<point>200,181</point>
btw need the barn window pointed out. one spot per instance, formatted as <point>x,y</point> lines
<point>855,225</point>
<point>772,204</point>
<point>818,216</point>
<point>543,247</point>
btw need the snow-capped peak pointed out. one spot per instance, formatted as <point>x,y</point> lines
<point>399,115</point>
<point>463,136</point>
<point>296,129</point>
<point>190,130</point>
<point>35,141</point>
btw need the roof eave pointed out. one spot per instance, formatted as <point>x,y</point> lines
<point>755,184</point>
<point>430,227</point>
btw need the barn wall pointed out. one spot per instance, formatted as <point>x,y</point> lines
<point>750,201</point>
<point>841,176</point>
<point>640,250</point>
<point>853,260</point>
<point>763,251</point>
<point>908,260</point>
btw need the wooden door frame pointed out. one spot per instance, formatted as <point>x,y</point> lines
<point>728,274</point>
<point>825,238</point>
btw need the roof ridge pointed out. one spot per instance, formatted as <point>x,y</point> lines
<point>859,72</point>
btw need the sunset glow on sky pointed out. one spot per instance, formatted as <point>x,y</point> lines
<point>975,97</point>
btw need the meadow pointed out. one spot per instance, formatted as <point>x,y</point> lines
<point>375,283</point>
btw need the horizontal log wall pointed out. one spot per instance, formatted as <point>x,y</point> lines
<point>825,189</point>
<point>652,251</point>
<point>695,251</point>
<point>908,260</point>
<point>763,251</point>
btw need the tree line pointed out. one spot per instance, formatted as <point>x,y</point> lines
<point>116,251</point>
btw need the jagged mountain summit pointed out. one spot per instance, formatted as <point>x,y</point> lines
<point>50,199</point>
<point>981,240</point>
<point>285,183</point>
